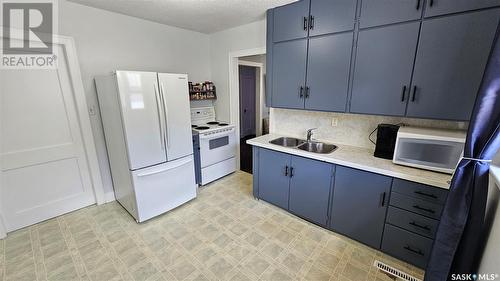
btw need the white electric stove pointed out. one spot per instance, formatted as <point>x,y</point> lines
<point>216,143</point>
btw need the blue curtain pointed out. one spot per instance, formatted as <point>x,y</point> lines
<point>459,233</point>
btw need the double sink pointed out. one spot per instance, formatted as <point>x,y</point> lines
<point>309,146</point>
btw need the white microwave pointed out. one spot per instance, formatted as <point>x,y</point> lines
<point>430,149</point>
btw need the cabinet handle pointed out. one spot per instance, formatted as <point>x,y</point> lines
<point>424,209</point>
<point>414,93</point>
<point>382,199</point>
<point>418,5</point>
<point>291,171</point>
<point>311,22</point>
<point>307,92</point>
<point>286,171</point>
<point>403,93</point>
<point>301,92</point>
<point>425,194</point>
<point>305,23</point>
<point>425,227</point>
<point>418,252</point>
<point>431,3</point>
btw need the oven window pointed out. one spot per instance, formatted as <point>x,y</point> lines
<point>215,143</point>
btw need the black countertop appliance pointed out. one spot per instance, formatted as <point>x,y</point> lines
<point>386,141</point>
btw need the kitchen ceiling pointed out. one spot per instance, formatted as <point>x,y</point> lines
<point>206,16</point>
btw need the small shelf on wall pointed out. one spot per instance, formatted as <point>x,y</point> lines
<point>202,91</point>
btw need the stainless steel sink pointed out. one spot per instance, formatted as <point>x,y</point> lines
<point>317,147</point>
<point>310,146</point>
<point>288,142</point>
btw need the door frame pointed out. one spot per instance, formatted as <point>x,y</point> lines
<point>68,44</point>
<point>234,91</point>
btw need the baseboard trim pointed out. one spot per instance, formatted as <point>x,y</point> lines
<point>3,230</point>
<point>109,197</point>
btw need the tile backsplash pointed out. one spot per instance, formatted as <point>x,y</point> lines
<point>351,129</point>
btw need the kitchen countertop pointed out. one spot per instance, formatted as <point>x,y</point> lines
<point>359,158</point>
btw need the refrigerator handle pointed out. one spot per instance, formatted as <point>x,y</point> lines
<point>176,164</point>
<point>158,103</point>
<point>167,130</point>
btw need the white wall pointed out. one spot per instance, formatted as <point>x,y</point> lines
<point>490,260</point>
<point>222,43</point>
<point>107,41</point>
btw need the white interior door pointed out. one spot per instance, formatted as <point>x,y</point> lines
<point>44,167</point>
<point>174,88</point>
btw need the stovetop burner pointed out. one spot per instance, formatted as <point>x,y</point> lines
<point>223,124</point>
<point>202,128</point>
<point>213,123</point>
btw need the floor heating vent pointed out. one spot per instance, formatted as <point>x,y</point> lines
<point>393,272</point>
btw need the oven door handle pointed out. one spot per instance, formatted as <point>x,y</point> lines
<point>213,136</point>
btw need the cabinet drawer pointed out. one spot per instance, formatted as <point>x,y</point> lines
<point>421,191</point>
<point>412,222</point>
<point>407,246</point>
<point>416,205</point>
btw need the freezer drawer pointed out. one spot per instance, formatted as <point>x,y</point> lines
<point>164,187</point>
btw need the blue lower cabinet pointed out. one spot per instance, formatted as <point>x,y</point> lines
<point>310,185</point>
<point>359,205</point>
<point>274,179</point>
<point>407,246</point>
<point>398,217</point>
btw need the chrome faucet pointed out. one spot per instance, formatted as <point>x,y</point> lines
<point>310,133</point>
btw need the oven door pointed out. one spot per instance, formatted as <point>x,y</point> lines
<point>217,147</point>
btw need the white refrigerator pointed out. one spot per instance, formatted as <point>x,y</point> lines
<point>147,126</point>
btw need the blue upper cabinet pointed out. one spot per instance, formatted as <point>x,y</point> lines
<point>329,16</point>
<point>289,73</point>
<point>414,58</point>
<point>441,7</point>
<point>328,72</point>
<point>377,12</point>
<point>359,205</point>
<point>383,69</point>
<point>310,185</point>
<point>452,55</point>
<point>291,21</point>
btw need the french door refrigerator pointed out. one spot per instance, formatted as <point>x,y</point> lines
<point>147,127</point>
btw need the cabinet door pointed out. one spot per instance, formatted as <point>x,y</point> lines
<point>291,21</point>
<point>274,168</point>
<point>328,72</point>
<point>289,73</point>
<point>380,12</point>
<point>451,58</point>
<point>383,68</point>
<point>359,204</point>
<point>310,186</point>
<point>441,7</point>
<point>329,16</point>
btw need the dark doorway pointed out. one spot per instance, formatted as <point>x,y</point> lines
<point>248,86</point>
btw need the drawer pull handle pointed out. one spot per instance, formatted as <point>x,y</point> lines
<point>286,171</point>
<point>418,252</point>
<point>424,209</point>
<point>420,226</point>
<point>382,199</point>
<point>426,194</point>
<point>291,172</point>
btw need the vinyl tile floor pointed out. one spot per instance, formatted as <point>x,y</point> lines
<point>224,234</point>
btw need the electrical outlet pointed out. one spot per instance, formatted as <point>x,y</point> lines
<point>335,122</point>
